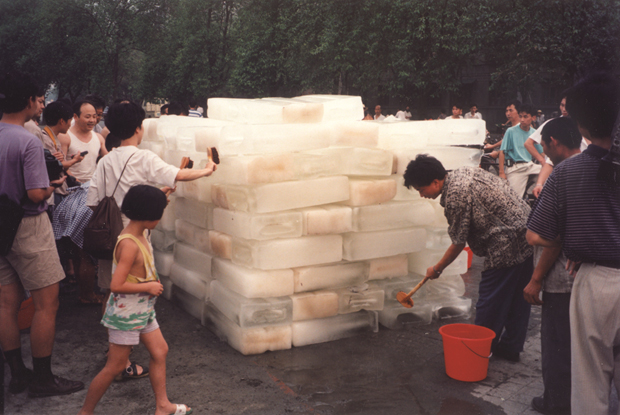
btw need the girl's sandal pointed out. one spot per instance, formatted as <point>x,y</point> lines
<point>182,410</point>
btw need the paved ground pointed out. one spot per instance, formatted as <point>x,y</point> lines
<point>389,372</point>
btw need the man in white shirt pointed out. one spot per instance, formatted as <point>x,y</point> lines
<point>473,113</point>
<point>457,111</point>
<point>378,115</point>
<point>404,115</point>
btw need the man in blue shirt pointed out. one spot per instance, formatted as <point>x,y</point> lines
<point>519,166</point>
<point>581,211</point>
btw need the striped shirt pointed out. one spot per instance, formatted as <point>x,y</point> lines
<point>582,210</point>
<point>194,113</point>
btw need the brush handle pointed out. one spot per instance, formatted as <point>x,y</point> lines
<point>416,288</point>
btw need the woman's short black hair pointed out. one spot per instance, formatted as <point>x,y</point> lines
<point>123,119</point>
<point>423,170</point>
<point>144,202</point>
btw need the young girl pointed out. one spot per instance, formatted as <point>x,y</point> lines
<point>130,313</point>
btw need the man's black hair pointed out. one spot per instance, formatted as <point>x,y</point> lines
<point>144,202</point>
<point>516,103</point>
<point>18,89</point>
<point>175,108</point>
<point>457,105</point>
<point>193,103</point>
<point>163,109</point>
<point>528,109</point>
<point>472,105</point>
<point>77,106</point>
<point>423,170</point>
<point>96,100</point>
<point>123,119</point>
<point>594,103</point>
<point>564,130</point>
<point>56,111</point>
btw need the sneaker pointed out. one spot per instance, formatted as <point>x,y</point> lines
<point>21,383</point>
<point>538,404</point>
<point>57,386</point>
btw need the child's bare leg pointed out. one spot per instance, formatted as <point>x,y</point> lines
<point>117,356</point>
<point>158,349</point>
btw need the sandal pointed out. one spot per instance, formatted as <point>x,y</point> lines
<point>182,410</point>
<point>131,372</point>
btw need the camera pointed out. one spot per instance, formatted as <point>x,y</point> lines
<point>54,167</point>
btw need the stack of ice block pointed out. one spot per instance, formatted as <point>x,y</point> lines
<point>305,232</point>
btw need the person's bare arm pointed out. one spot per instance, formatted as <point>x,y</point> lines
<point>65,141</point>
<point>531,148</point>
<point>186,175</point>
<point>502,174</point>
<point>452,252</point>
<point>542,178</point>
<point>127,254</point>
<point>531,292</point>
<point>102,151</point>
<point>535,239</point>
<point>39,195</point>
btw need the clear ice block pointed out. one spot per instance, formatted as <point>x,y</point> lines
<point>163,240</point>
<point>315,304</point>
<point>199,189</point>
<point>163,262</point>
<point>166,222</point>
<point>253,283</point>
<point>367,245</point>
<point>168,286</point>
<point>220,244</point>
<point>274,197</point>
<point>355,134</point>
<point>446,286</point>
<point>358,161</point>
<point>403,134</point>
<point>397,317</point>
<point>266,168</point>
<point>250,312</point>
<point>420,261</point>
<point>196,283</point>
<point>456,132</point>
<point>342,274</point>
<point>392,215</point>
<point>191,304</point>
<point>451,157</point>
<point>388,267</point>
<point>247,340</point>
<point>336,107</point>
<point>391,287</point>
<point>260,226</point>
<point>287,253</point>
<point>327,219</point>
<point>334,328</point>
<point>197,213</point>
<point>437,238</point>
<point>264,111</point>
<point>455,307</point>
<point>194,260</point>
<point>364,192</point>
<point>360,297</point>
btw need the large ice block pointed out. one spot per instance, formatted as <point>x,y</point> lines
<point>327,219</point>
<point>388,267</point>
<point>315,304</point>
<point>355,134</point>
<point>287,253</point>
<point>403,134</point>
<point>341,274</point>
<point>258,226</point>
<point>197,213</point>
<point>273,197</point>
<point>163,262</point>
<point>360,297</point>
<point>437,238</point>
<point>250,312</point>
<point>445,286</point>
<point>163,240</point>
<point>420,261</point>
<point>220,244</point>
<point>264,111</point>
<point>199,189</point>
<point>168,287</point>
<point>166,222</point>
<point>194,282</point>
<point>266,168</point>
<point>396,317</point>
<point>247,340</point>
<point>193,305</point>
<point>456,132</point>
<point>192,259</point>
<point>367,245</point>
<point>358,161</point>
<point>393,286</point>
<point>451,157</point>
<point>336,107</point>
<point>253,283</point>
<point>334,328</point>
<point>392,215</point>
<point>402,193</point>
<point>364,192</point>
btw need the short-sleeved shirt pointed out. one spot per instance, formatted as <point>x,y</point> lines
<point>513,144</point>
<point>22,167</point>
<point>537,138</point>
<point>145,167</point>
<point>477,115</point>
<point>485,212</point>
<point>583,210</point>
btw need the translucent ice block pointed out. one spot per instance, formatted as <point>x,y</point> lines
<point>287,253</point>
<point>194,282</point>
<point>355,133</point>
<point>451,157</point>
<point>315,163</point>
<point>315,304</point>
<point>358,161</point>
<point>322,220</point>
<point>405,134</point>
<point>452,308</point>
<point>456,132</point>
<point>367,245</point>
<point>437,238</point>
<point>220,244</point>
<point>334,328</point>
<point>396,317</point>
<point>264,111</point>
<point>267,168</point>
<point>174,157</point>
<point>402,193</point>
<point>445,286</point>
<point>275,197</point>
<point>360,297</point>
<point>193,235</point>
<point>197,213</point>
<point>392,215</point>
<point>364,192</point>
<point>391,287</point>
<point>168,286</point>
<point>191,304</point>
<point>249,312</point>
<point>342,274</point>
<point>336,107</point>
<point>163,240</point>
<point>420,261</point>
<point>167,220</point>
<point>247,340</point>
<point>163,262</point>
<point>253,283</point>
<point>258,226</point>
<point>199,189</point>
<point>192,259</point>
<point>388,267</point>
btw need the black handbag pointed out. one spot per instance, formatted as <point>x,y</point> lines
<point>11,215</point>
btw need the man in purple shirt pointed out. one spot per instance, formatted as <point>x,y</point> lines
<point>32,262</point>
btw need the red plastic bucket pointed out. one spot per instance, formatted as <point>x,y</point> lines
<point>466,349</point>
